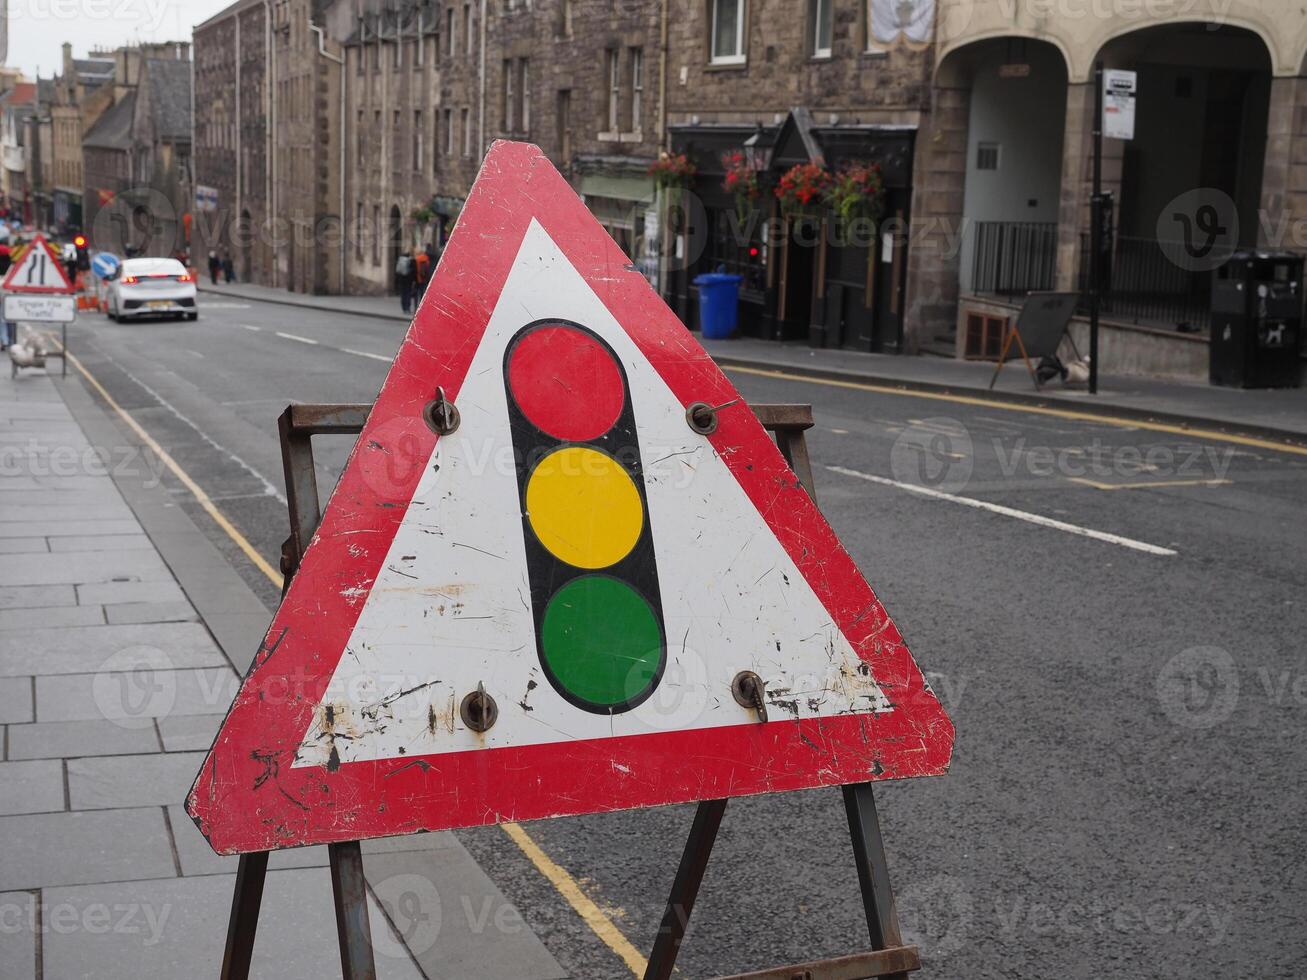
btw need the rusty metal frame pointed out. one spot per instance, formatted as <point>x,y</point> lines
<point>888,956</point>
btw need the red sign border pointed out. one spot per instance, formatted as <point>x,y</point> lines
<point>247,797</point>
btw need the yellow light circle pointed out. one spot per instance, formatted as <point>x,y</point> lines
<point>584,507</point>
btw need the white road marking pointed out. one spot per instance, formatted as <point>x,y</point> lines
<point>1020,515</point>
<point>248,326</point>
<point>297,338</point>
<point>363,353</point>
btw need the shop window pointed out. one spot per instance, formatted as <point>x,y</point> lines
<point>986,156</point>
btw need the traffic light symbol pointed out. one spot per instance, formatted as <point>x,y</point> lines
<point>585,516</point>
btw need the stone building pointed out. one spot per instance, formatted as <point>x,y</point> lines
<point>231,139</point>
<point>267,143</point>
<point>1221,122</point>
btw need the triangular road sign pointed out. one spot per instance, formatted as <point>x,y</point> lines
<point>574,550</point>
<point>37,269</point>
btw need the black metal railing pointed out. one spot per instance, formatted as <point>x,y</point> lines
<point>1145,286</point>
<point>1012,258</point>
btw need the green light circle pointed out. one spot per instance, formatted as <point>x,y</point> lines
<point>601,643</point>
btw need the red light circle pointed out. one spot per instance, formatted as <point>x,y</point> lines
<point>566,383</point>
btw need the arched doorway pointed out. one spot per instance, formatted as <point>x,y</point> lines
<point>394,244</point>
<point>1201,120</point>
<point>1011,188</point>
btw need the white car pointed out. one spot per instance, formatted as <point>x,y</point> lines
<point>152,287</point>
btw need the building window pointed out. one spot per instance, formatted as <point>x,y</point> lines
<point>415,50</point>
<point>376,234</point>
<point>565,17</point>
<point>358,135</point>
<point>986,156</point>
<point>358,232</point>
<point>374,52</point>
<point>637,88</point>
<point>449,132</point>
<point>470,23</point>
<point>360,59</point>
<point>466,122</point>
<point>727,32</point>
<point>524,116</point>
<point>614,90</point>
<point>419,136</point>
<point>563,117</point>
<point>820,27</point>
<point>506,107</point>
<point>398,54</point>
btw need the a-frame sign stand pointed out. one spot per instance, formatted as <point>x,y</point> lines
<point>888,956</point>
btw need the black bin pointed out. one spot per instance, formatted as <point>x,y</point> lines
<point>1257,320</point>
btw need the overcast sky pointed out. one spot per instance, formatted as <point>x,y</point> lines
<point>38,28</point>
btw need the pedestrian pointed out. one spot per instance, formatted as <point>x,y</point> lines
<point>433,260</point>
<point>6,258</point>
<point>228,267</point>
<point>404,279</point>
<point>421,271</point>
<point>214,266</point>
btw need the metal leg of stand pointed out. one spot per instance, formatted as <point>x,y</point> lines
<point>244,921</point>
<point>873,871</point>
<point>352,929</point>
<point>685,889</point>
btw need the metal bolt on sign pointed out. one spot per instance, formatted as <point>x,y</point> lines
<point>479,710</point>
<point>702,417</point>
<point>441,415</point>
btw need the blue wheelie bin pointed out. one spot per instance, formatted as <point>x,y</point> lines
<point>719,304</point>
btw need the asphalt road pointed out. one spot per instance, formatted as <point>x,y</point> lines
<point>1121,651</point>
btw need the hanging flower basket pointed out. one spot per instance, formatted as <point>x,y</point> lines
<point>856,192</point>
<point>423,215</point>
<point>672,170</point>
<point>803,188</point>
<point>741,180</point>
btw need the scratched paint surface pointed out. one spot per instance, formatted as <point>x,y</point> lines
<point>450,608</point>
<point>419,589</point>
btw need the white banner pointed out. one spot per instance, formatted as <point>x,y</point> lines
<point>895,22</point>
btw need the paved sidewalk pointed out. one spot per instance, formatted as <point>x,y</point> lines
<point>122,634</point>
<point>1276,414</point>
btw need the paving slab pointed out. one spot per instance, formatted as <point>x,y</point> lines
<point>80,848</point>
<point>114,593</point>
<point>101,542</point>
<point>10,527</point>
<point>16,700</point>
<point>31,787</point>
<point>87,649</point>
<point>52,616</point>
<point>189,733</point>
<point>18,936</point>
<point>151,612</point>
<point>456,922</point>
<point>111,782</point>
<point>134,698</point>
<point>37,596</point>
<point>76,568</point>
<point>180,926</point>
<point>72,739</point>
<point>22,546</point>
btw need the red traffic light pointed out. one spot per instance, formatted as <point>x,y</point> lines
<point>80,241</point>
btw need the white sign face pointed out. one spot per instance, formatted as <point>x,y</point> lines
<point>33,308</point>
<point>1119,104</point>
<point>206,198</point>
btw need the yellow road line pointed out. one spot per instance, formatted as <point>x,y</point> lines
<point>585,907</point>
<point>1149,485</point>
<point>557,876</point>
<point>1062,413</point>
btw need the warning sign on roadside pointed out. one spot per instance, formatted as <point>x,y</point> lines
<point>564,571</point>
<point>37,269</point>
